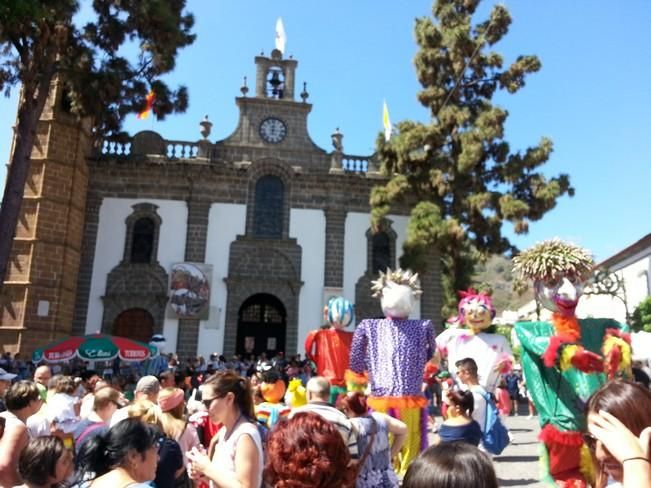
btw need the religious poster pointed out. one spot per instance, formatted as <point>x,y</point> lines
<point>190,285</point>
<point>271,343</point>
<point>249,344</point>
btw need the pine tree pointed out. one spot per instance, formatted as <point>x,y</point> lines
<point>40,42</point>
<point>457,174</point>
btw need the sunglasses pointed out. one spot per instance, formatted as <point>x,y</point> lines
<point>208,401</point>
<point>590,441</point>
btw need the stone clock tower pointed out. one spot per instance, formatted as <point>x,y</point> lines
<point>273,119</point>
<point>277,224</point>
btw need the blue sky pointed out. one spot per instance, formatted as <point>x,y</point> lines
<point>592,96</point>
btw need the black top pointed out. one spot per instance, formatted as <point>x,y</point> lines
<point>170,461</point>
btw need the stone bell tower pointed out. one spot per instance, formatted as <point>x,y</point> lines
<point>40,287</point>
<point>275,76</point>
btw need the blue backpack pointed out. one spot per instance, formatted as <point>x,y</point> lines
<point>495,437</point>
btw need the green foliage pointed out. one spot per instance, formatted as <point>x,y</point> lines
<point>517,352</point>
<point>495,275</point>
<point>642,316</point>
<point>39,41</point>
<point>505,330</point>
<point>40,44</point>
<point>457,173</point>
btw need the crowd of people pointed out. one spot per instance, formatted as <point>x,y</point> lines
<point>194,424</point>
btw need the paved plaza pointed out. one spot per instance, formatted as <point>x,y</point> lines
<point>518,464</point>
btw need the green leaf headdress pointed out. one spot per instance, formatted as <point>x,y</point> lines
<point>549,258</point>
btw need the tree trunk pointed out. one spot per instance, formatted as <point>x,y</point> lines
<point>29,111</point>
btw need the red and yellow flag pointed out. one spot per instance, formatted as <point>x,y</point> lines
<point>148,105</point>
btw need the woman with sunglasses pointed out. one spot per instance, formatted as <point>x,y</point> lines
<point>126,456</point>
<point>619,435</point>
<point>459,424</point>
<point>238,459</point>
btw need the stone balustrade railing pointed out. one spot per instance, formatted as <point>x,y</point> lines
<point>109,148</point>
<point>181,149</point>
<point>355,164</point>
<point>151,144</point>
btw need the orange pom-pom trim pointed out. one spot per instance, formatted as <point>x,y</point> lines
<point>383,404</point>
<point>567,326</point>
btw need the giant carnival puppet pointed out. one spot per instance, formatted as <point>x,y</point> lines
<point>394,351</point>
<point>566,359</point>
<point>491,352</point>
<point>272,389</point>
<point>329,348</point>
<point>158,363</point>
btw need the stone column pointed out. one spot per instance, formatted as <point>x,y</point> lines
<point>334,247</point>
<point>195,251</point>
<point>93,204</point>
<point>431,301</point>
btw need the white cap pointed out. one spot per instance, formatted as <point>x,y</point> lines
<point>4,376</point>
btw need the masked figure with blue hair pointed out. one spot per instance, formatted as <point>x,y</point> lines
<point>329,348</point>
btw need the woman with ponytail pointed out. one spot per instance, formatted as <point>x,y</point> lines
<point>172,406</point>
<point>459,424</point>
<point>170,472</point>
<point>126,456</point>
<point>238,457</point>
<point>375,449</point>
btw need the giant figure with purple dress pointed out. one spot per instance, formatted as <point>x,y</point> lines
<point>394,351</point>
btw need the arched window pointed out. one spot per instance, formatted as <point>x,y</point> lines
<point>143,229</point>
<point>380,252</point>
<point>268,207</point>
<point>142,245</point>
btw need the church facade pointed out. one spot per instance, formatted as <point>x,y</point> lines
<point>231,246</point>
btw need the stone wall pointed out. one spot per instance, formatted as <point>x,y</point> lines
<point>45,256</point>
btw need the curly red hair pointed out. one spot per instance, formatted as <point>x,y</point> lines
<point>353,402</point>
<point>307,451</point>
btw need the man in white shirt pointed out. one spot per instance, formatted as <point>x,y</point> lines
<point>467,374</point>
<point>147,388</point>
<point>318,394</point>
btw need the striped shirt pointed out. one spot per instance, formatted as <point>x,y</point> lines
<point>335,417</point>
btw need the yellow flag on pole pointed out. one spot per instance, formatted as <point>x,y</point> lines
<point>386,122</point>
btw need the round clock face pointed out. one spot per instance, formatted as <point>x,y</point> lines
<point>273,130</point>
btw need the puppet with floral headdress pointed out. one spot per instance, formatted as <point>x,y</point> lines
<point>491,352</point>
<point>567,359</point>
<point>394,351</point>
<point>329,348</point>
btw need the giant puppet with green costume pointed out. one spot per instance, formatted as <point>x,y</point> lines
<point>329,348</point>
<point>566,359</point>
<point>394,350</point>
